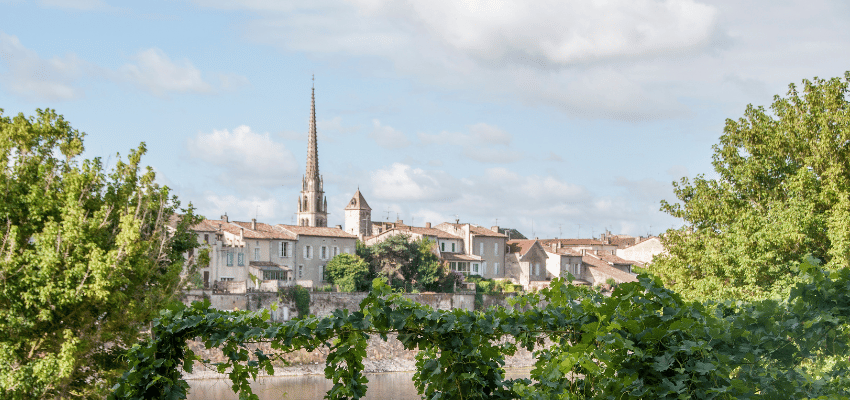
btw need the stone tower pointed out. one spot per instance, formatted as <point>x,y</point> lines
<point>312,203</point>
<point>358,216</point>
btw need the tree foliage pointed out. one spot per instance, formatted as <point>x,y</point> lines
<point>349,272</point>
<point>782,192</point>
<point>642,342</point>
<point>408,264</point>
<point>86,259</point>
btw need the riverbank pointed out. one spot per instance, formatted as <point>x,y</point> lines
<point>381,356</point>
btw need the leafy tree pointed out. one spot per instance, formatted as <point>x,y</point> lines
<point>86,259</point>
<point>411,264</point>
<point>512,233</point>
<point>782,192</point>
<point>349,272</point>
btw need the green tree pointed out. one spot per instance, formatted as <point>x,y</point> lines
<point>411,264</point>
<point>87,258</point>
<point>349,272</point>
<point>782,192</point>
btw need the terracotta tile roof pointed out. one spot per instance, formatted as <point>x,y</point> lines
<point>207,225</point>
<point>572,242</point>
<point>603,267</point>
<point>475,229</point>
<point>521,246</point>
<point>614,259</point>
<point>623,241</point>
<point>427,232</point>
<point>482,231</point>
<point>566,251</point>
<point>459,257</point>
<point>263,231</point>
<point>317,231</point>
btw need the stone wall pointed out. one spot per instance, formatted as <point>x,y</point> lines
<point>324,303</point>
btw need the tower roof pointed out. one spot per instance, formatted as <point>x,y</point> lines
<point>358,202</point>
<point>312,147</point>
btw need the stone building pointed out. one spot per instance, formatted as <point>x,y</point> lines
<point>643,251</point>
<point>358,216</point>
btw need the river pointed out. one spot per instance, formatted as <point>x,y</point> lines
<point>390,385</point>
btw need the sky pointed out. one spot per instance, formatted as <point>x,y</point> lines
<point>557,118</point>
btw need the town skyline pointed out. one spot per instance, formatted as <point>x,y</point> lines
<point>530,118</point>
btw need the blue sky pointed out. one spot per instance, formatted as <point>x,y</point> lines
<point>558,118</point>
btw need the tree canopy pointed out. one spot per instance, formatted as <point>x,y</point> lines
<point>87,259</point>
<point>349,272</point>
<point>782,193</point>
<point>411,264</point>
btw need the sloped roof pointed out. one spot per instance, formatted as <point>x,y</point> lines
<point>317,231</point>
<point>263,231</point>
<point>358,202</point>
<point>566,251</point>
<point>614,259</point>
<point>521,246</point>
<point>572,242</point>
<point>459,257</point>
<point>427,232</point>
<point>603,267</point>
<point>475,229</point>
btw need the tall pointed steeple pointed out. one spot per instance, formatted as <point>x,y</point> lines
<point>312,146</point>
<point>312,204</point>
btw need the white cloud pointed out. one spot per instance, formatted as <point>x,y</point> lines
<point>555,205</point>
<point>592,59</point>
<point>265,209</point>
<point>387,136</point>
<point>36,78</point>
<point>403,182</point>
<point>33,77</point>
<point>245,158</point>
<point>484,143</point>
<point>155,72</point>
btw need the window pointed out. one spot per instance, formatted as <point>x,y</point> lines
<point>284,249</point>
<point>336,251</point>
<point>453,247</point>
<point>462,267</point>
<point>273,275</point>
<point>323,252</point>
<point>229,259</point>
<point>475,268</point>
<point>495,268</point>
<point>256,254</point>
<point>495,249</point>
<point>240,258</point>
<point>206,238</point>
<point>484,267</point>
<point>536,268</point>
<point>443,246</point>
<point>228,279</point>
<point>308,252</point>
<point>481,249</point>
<point>300,271</point>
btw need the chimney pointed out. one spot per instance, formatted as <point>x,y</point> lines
<point>399,222</point>
<point>253,224</point>
<point>241,233</point>
<point>428,225</point>
<point>495,229</point>
<point>224,218</point>
<point>339,227</point>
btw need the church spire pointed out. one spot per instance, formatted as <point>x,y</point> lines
<point>312,147</point>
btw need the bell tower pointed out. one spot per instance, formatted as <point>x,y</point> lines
<point>358,216</point>
<point>312,203</point>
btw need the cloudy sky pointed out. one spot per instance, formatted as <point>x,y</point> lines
<point>559,118</point>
